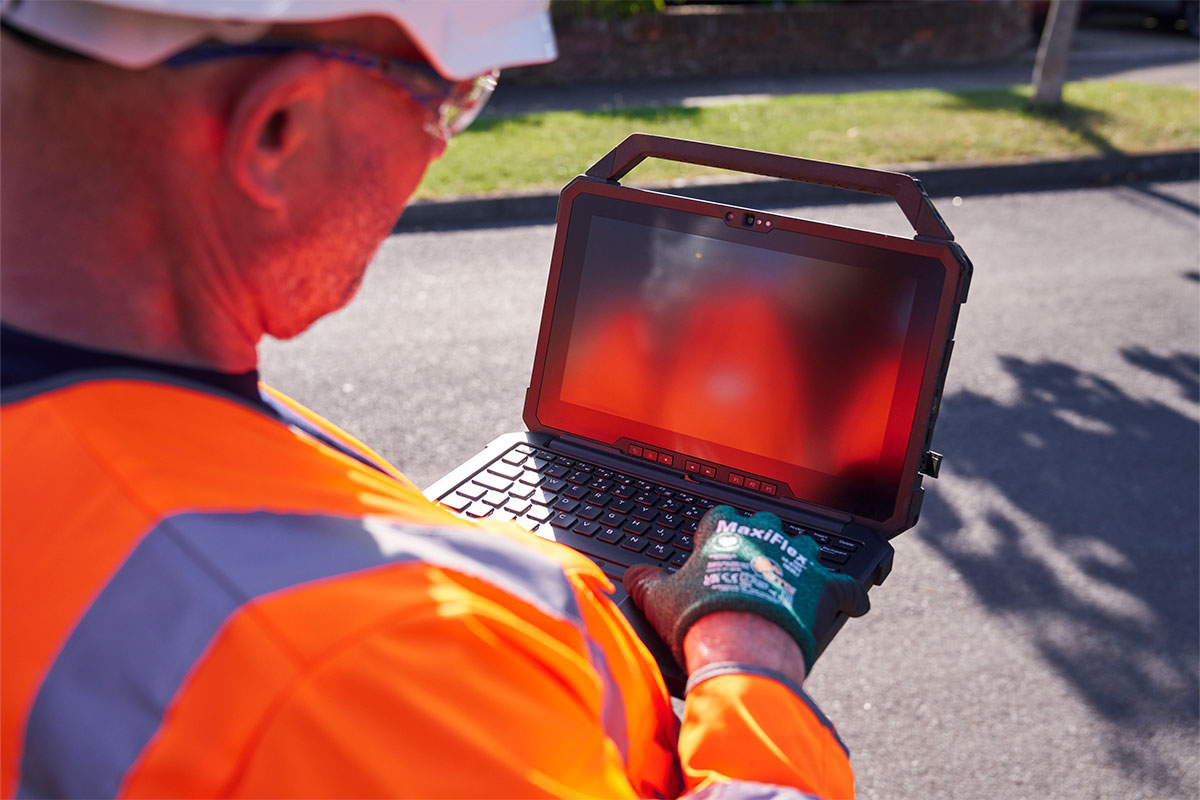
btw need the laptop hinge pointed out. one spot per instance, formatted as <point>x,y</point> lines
<point>931,464</point>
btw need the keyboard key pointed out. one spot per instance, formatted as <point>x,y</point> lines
<point>539,514</point>
<point>834,555</point>
<point>531,478</point>
<point>623,491</point>
<point>645,512</point>
<point>793,528</point>
<point>669,520</point>
<point>535,463</point>
<point>563,520</point>
<point>597,498</point>
<point>604,473</point>
<point>645,498</point>
<point>576,492</point>
<point>610,535</point>
<point>704,503</point>
<point>822,538</point>
<point>659,551</point>
<point>693,511</point>
<point>456,502</point>
<point>752,484</point>
<point>517,507</point>
<point>502,515</point>
<point>478,509</point>
<point>472,490</point>
<point>671,506</point>
<point>564,461</point>
<point>514,457</point>
<point>505,470</point>
<point>566,504</point>
<point>494,482</point>
<point>611,517</point>
<point>623,506</point>
<point>678,559</point>
<point>683,541</point>
<point>635,543</point>
<point>495,498</point>
<point>645,486</point>
<point>685,498</point>
<point>521,491</point>
<point>638,526</point>
<point>846,544</point>
<point>622,478</point>
<point>660,534</point>
<point>587,527</point>
<point>590,512</point>
<point>578,476</point>
<point>557,471</point>
<point>665,492</point>
<point>542,498</point>
<point>601,484</point>
<point>582,467</point>
<point>524,448</point>
<point>554,485</point>
<point>689,526</point>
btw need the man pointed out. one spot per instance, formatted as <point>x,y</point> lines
<point>208,590</point>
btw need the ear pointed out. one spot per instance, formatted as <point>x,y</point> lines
<point>276,111</point>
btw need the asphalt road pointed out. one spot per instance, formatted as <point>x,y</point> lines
<point>1039,635</point>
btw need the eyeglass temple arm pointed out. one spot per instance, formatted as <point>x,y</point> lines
<point>905,190</point>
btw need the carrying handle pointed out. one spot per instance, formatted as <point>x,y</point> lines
<point>904,189</point>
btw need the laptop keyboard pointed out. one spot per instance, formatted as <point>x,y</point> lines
<point>616,519</point>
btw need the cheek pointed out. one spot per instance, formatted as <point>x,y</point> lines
<point>396,151</point>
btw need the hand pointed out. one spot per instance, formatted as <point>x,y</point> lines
<point>747,565</point>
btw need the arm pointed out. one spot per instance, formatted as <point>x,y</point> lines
<point>746,631</point>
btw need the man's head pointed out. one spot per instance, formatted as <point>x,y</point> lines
<point>224,189</point>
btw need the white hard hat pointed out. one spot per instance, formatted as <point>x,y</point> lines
<point>460,38</point>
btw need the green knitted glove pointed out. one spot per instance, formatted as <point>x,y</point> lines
<point>747,564</point>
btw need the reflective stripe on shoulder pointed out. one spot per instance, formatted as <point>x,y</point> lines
<point>105,694</point>
<point>747,790</point>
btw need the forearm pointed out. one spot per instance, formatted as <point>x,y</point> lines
<point>747,718</point>
<point>745,638</point>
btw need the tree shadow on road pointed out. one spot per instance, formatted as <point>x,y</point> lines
<point>1084,535</point>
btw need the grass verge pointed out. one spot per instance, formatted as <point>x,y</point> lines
<point>545,150</point>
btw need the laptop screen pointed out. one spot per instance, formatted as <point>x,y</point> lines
<point>791,357</point>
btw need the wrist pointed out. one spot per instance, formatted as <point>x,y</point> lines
<point>742,637</point>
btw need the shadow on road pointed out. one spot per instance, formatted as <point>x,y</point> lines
<point>1082,532</point>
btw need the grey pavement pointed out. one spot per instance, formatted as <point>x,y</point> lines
<point>1038,637</point>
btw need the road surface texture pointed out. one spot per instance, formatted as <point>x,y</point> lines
<point>1038,637</point>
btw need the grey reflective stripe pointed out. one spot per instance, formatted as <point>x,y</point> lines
<point>614,702</point>
<point>104,696</point>
<point>736,668</point>
<point>747,790</point>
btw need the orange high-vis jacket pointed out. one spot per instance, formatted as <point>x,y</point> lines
<point>197,599</point>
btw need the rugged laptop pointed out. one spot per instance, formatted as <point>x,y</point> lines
<point>694,354</point>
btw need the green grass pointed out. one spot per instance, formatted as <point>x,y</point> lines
<point>545,150</point>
